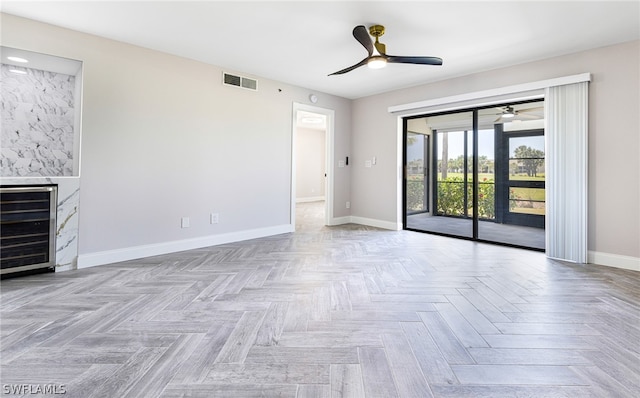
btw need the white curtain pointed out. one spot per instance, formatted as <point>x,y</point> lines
<point>566,115</point>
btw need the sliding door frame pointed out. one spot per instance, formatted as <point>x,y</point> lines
<point>475,168</point>
<point>426,171</point>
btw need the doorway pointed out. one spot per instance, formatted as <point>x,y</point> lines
<point>477,174</point>
<point>311,179</point>
<point>520,188</point>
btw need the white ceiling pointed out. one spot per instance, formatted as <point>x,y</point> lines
<point>301,42</point>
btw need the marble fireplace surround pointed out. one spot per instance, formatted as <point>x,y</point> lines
<point>56,163</point>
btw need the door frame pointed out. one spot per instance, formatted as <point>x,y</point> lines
<point>426,170</point>
<point>474,111</point>
<point>503,184</point>
<point>329,167</point>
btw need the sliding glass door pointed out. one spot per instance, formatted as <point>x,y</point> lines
<point>448,172</point>
<point>477,174</point>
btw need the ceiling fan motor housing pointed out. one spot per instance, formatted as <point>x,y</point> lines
<point>376,30</point>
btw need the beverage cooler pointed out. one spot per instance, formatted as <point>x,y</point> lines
<point>27,228</point>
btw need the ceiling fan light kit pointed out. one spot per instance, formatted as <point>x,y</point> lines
<point>376,62</point>
<point>378,57</point>
<point>508,113</point>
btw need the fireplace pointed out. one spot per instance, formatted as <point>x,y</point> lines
<point>27,228</point>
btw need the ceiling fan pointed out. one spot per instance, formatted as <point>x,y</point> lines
<point>509,113</point>
<point>378,56</point>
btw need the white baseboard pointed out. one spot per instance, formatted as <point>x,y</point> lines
<point>614,260</point>
<point>376,223</point>
<point>365,221</point>
<point>310,199</point>
<point>132,253</point>
<point>340,220</point>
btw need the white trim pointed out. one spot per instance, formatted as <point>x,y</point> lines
<point>394,226</point>
<point>614,260</point>
<point>515,89</point>
<point>340,221</point>
<point>400,172</point>
<point>77,128</point>
<point>132,253</point>
<point>310,199</point>
<point>371,222</point>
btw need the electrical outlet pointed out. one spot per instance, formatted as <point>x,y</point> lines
<point>184,222</point>
<point>214,218</point>
<point>348,205</point>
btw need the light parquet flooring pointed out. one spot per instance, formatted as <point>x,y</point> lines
<point>346,311</point>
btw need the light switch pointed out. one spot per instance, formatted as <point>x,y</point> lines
<point>340,163</point>
<point>367,163</point>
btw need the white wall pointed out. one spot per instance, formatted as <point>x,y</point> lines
<point>614,142</point>
<point>310,163</point>
<point>162,139</point>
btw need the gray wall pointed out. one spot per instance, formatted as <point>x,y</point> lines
<point>162,139</point>
<point>310,163</point>
<point>614,143</point>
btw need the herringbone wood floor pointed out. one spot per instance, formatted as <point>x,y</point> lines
<point>346,311</point>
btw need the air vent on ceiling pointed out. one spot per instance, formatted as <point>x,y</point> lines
<point>240,81</point>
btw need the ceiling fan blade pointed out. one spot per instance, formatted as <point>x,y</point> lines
<point>535,109</point>
<point>361,34</point>
<point>352,67</point>
<point>527,116</point>
<point>414,60</point>
<point>382,49</point>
